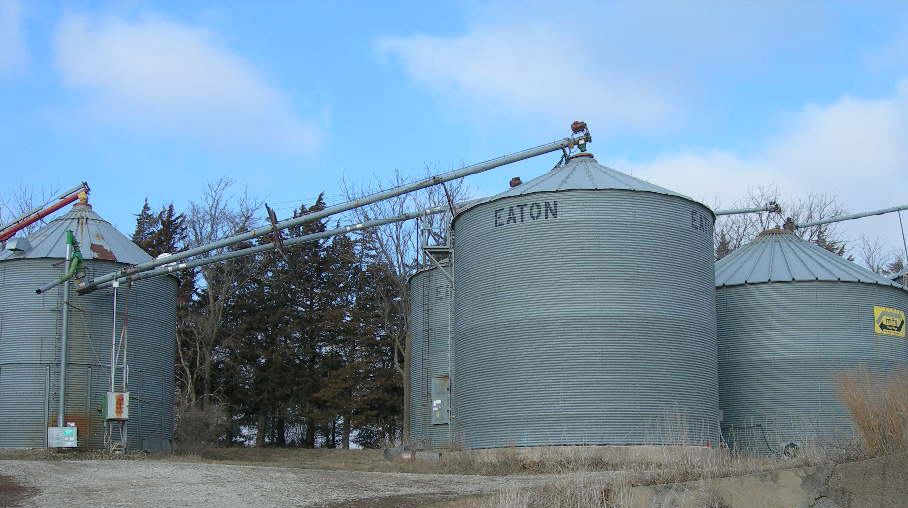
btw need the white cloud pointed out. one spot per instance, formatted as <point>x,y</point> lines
<point>629,67</point>
<point>530,69</point>
<point>12,38</point>
<point>621,66</point>
<point>854,148</point>
<point>170,76</point>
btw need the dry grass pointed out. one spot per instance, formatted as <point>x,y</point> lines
<point>879,408</point>
<point>569,493</point>
<point>580,484</point>
<point>646,465</point>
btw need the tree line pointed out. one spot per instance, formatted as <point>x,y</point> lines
<point>302,346</point>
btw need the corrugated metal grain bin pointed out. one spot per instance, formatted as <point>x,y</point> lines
<point>792,317</point>
<point>30,334</point>
<point>430,317</point>
<point>584,313</point>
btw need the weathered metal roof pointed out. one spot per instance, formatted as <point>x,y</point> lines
<point>97,238</point>
<point>778,255</point>
<point>581,172</point>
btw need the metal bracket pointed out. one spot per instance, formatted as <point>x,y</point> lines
<point>438,265</point>
<point>276,234</point>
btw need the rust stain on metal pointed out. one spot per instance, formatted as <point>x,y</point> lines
<point>102,252</point>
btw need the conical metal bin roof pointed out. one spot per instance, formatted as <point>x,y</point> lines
<point>778,255</point>
<point>580,172</point>
<point>97,238</point>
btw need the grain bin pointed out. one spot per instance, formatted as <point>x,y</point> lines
<point>30,336</point>
<point>428,355</point>
<point>792,316</point>
<point>584,314</point>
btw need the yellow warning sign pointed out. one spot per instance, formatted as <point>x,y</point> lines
<point>888,321</point>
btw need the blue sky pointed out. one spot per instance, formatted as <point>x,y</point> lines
<point>710,99</point>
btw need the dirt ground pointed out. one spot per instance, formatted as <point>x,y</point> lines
<point>158,484</point>
<point>360,479</point>
<point>13,492</point>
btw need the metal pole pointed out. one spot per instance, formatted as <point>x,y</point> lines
<point>841,218</point>
<point>64,331</point>
<point>769,207</point>
<point>449,241</point>
<point>46,399</point>
<point>343,207</point>
<point>904,243</point>
<point>124,340</point>
<point>268,246</point>
<point>113,339</point>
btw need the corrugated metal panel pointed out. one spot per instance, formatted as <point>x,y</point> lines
<point>30,334</point>
<point>430,306</point>
<point>97,238</point>
<point>782,346</point>
<point>416,370</point>
<point>22,401</point>
<point>779,255</point>
<point>584,317</point>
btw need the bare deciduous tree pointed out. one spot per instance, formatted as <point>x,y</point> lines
<point>398,245</point>
<point>733,231</point>
<point>23,199</point>
<point>877,258</point>
<point>873,254</point>
<point>218,214</point>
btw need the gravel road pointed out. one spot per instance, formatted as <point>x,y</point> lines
<point>155,484</point>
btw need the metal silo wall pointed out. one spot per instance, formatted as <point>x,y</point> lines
<point>29,331</point>
<point>29,355</point>
<point>592,326</point>
<point>430,314</point>
<point>782,346</point>
<point>416,368</point>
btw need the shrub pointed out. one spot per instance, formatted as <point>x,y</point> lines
<point>197,428</point>
<point>879,408</point>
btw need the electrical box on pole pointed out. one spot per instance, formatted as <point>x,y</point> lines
<point>116,406</point>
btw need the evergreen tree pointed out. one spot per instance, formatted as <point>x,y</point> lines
<point>304,352</point>
<point>280,321</point>
<point>837,247</point>
<point>170,234</point>
<point>164,232</point>
<point>146,222</point>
